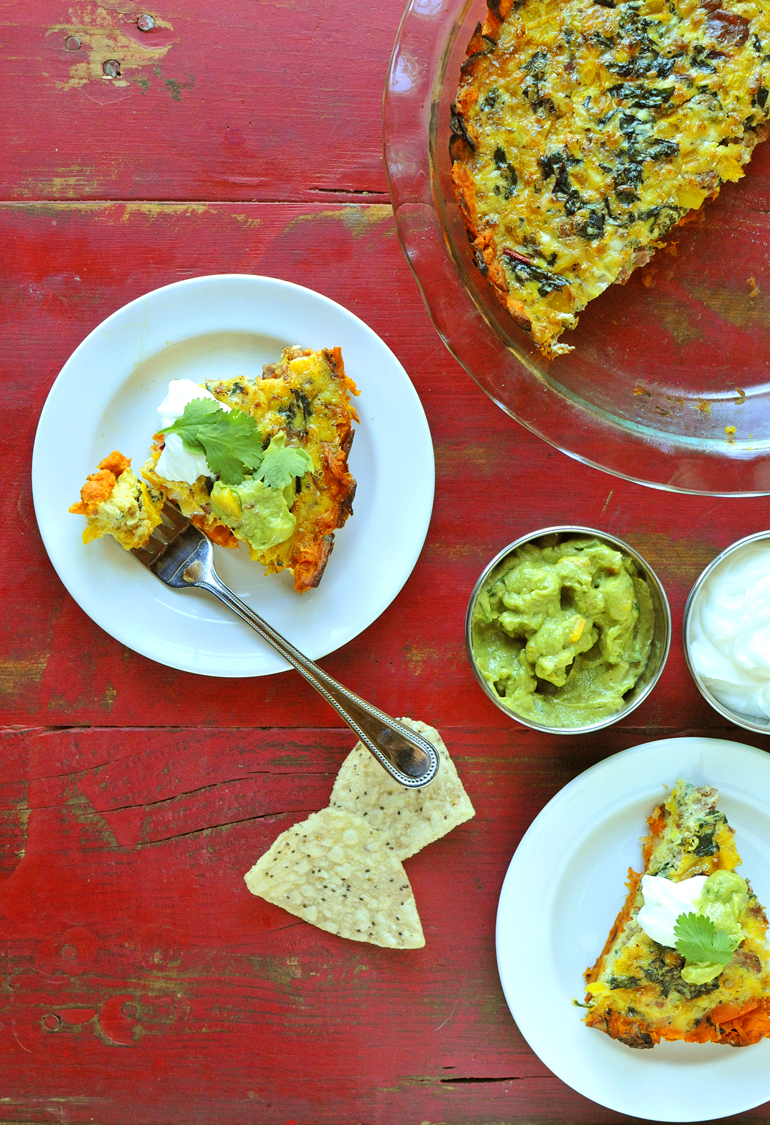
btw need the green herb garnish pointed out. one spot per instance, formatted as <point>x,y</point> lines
<point>282,463</point>
<point>229,440</point>
<point>700,942</point>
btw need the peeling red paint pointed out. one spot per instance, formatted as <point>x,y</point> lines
<point>140,983</point>
<point>117,1020</point>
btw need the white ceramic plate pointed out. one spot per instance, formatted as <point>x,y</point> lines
<point>106,397</point>
<point>564,887</point>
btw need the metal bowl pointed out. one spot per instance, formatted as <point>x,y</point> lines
<point>749,722</point>
<point>661,640</point>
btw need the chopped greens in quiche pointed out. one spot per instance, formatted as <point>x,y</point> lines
<point>584,131</point>
<point>711,982</point>
<point>265,462</point>
<point>277,447</point>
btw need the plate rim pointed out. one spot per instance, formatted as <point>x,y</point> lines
<point>554,808</point>
<point>422,515</point>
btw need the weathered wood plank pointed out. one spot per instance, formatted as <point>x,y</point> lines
<point>142,984</point>
<point>56,666</point>
<point>145,964</point>
<point>244,100</point>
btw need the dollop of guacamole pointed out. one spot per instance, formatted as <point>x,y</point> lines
<point>258,513</point>
<point>723,899</point>
<point>562,630</point>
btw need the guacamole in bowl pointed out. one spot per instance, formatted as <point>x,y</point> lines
<point>568,629</point>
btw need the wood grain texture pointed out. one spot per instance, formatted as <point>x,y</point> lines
<point>248,100</point>
<point>134,950</point>
<point>57,666</point>
<point>140,983</point>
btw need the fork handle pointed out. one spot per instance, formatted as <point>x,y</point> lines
<point>407,756</point>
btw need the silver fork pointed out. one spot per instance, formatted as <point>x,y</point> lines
<point>181,556</point>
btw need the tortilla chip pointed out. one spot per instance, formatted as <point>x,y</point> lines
<point>337,873</point>
<point>408,818</point>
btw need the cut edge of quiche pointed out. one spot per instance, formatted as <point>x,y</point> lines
<point>306,397</point>
<point>304,401</point>
<point>635,991</point>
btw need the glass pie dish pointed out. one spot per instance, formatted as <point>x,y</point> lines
<point>669,382</point>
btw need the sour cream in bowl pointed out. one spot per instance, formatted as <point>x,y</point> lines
<point>727,633</point>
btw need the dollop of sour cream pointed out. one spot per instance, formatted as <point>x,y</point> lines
<point>175,462</point>
<point>729,630</point>
<point>664,901</point>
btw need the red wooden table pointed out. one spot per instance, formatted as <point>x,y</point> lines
<point>140,983</point>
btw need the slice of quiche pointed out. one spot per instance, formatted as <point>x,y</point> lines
<point>263,462</point>
<point>584,131</point>
<point>641,991</point>
<point>115,502</point>
<point>287,511</point>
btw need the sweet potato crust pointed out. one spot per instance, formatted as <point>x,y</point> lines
<point>632,1011</point>
<point>306,396</point>
<point>99,485</point>
<point>741,1026</point>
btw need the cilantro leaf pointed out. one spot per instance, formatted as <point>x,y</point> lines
<point>699,941</point>
<point>283,463</point>
<point>196,413</point>
<point>229,440</point>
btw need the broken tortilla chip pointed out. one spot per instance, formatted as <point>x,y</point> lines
<point>407,818</point>
<point>336,872</point>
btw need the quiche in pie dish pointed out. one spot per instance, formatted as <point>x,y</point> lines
<point>584,131</point>
<point>262,461</point>
<point>641,991</point>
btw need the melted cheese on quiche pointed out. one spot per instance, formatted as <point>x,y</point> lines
<point>584,131</point>
<point>635,990</point>
<point>304,396</point>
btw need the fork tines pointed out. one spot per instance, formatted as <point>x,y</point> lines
<point>172,525</point>
<point>173,518</point>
